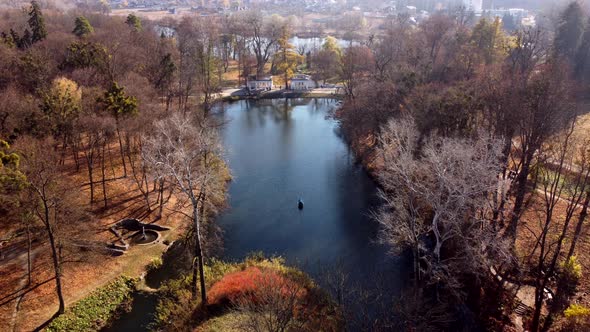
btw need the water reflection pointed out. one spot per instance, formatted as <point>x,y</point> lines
<point>291,150</point>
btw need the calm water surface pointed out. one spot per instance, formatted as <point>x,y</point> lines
<point>282,150</point>
<point>317,43</point>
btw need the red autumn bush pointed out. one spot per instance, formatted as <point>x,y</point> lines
<point>251,283</point>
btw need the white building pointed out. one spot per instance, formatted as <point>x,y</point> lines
<point>259,83</point>
<point>474,5</point>
<point>302,82</point>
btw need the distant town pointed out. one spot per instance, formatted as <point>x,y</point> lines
<point>320,11</point>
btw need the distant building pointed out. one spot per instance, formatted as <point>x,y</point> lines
<point>519,15</point>
<point>259,83</point>
<point>474,5</point>
<point>302,82</point>
<point>409,10</point>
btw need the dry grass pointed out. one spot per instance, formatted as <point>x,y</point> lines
<point>231,77</point>
<point>530,227</point>
<point>582,126</point>
<point>84,271</point>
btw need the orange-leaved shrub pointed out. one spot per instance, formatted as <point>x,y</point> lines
<point>250,283</point>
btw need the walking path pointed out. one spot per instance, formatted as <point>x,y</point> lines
<point>22,286</point>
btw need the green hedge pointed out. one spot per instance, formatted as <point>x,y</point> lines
<point>95,311</point>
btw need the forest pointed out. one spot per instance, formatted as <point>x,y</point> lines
<point>475,134</point>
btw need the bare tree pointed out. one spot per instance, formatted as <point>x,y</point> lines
<point>437,202</point>
<point>94,129</point>
<point>263,33</point>
<point>564,177</point>
<point>546,109</point>
<point>357,62</point>
<point>436,31</point>
<point>52,202</point>
<point>139,169</point>
<point>181,149</point>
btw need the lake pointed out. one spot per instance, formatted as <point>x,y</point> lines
<point>280,151</point>
<point>316,43</point>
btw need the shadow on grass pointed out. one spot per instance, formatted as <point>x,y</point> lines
<point>44,325</point>
<point>13,296</point>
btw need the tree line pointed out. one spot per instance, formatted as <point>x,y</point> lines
<point>91,102</point>
<point>474,135</point>
<point>471,131</point>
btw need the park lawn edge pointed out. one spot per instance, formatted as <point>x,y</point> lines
<point>97,309</point>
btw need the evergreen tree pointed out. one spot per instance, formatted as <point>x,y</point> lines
<point>489,40</point>
<point>84,54</point>
<point>569,31</point>
<point>134,22</point>
<point>12,181</point>
<point>7,39</point>
<point>582,54</point>
<point>15,37</point>
<point>26,41</point>
<point>37,23</point>
<point>116,102</point>
<point>164,78</point>
<point>166,72</point>
<point>82,27</point>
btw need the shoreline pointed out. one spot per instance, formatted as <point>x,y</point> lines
<point>157,251</point>
<point>276,94</point>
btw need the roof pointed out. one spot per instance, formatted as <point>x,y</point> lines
<point>259,78</point>
<point>301,77</point>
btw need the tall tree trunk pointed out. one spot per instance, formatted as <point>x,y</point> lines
<point>64,148</point>
<point>103,172</point>
<point>75,155</point>
<point>578,231</point>
<point>168,100</point>
<point>198,257</point>
<point>180,87</point>
<point>29,247</point>
<point>498,214</point>
<point>522,181</point>
<point>161,197</point>
<point>122,153</point>
<point>111,163</point>
<point>90,177</point>
<point>55,257</point>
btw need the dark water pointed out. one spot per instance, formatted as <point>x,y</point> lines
<point>283,150</point>
<point>280,151</point>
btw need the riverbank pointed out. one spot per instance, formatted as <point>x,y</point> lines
<point>243,296</point>
<point>85,271</point>
<point>229,95</point>
<point>25,307</point>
